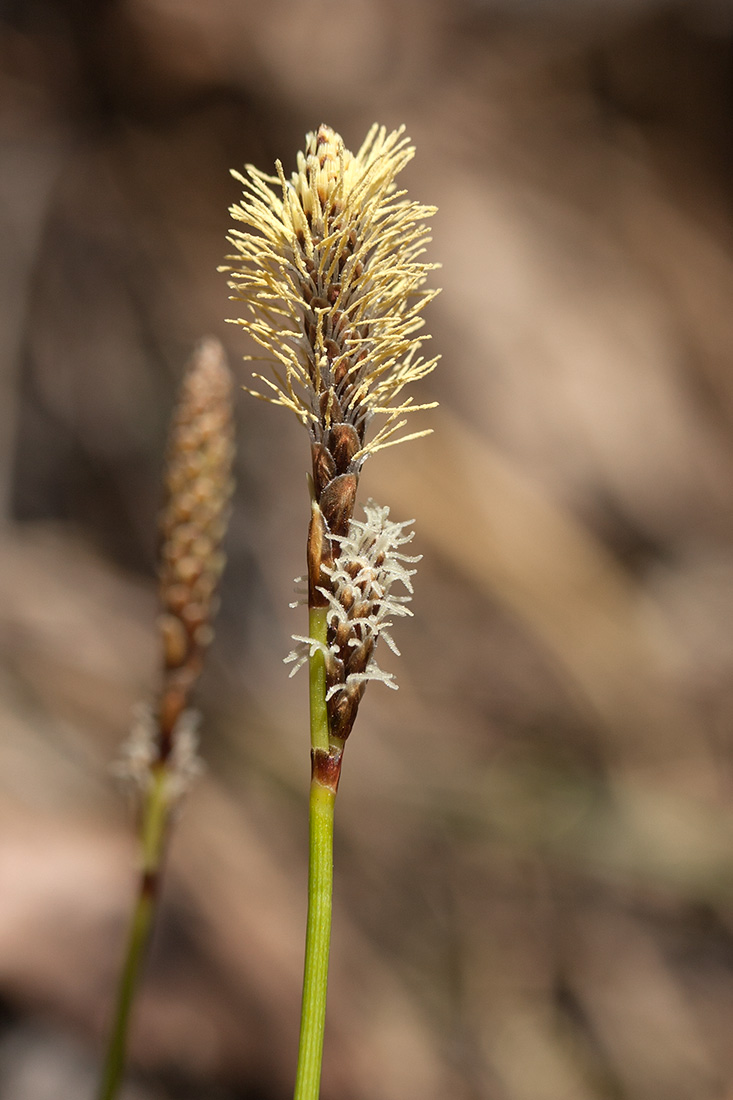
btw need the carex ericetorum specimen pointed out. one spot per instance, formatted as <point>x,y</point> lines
<point>329,267</point>
<point>160,756</point>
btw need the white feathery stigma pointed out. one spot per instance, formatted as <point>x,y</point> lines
<point>361,603</point>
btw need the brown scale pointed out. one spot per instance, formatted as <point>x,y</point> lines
<point>335,474</point>
<point>342,708</point>
<point>338,436</point>
<point>349,658</point>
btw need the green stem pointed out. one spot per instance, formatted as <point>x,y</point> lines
<point>317,629</point>
<point>155,819</point>
<point>317,941</point>
<point>326,764</point>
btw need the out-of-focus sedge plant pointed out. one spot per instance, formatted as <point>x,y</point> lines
<point>330,271</point>
<point>160,757</point>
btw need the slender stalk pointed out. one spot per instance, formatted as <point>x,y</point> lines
<point>317,941</point>
<point>152,837</point>
<point>317,628</point>
<point>326,765</point>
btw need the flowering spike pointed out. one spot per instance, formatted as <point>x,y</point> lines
<point>328,263</point>
<point>329,270</point>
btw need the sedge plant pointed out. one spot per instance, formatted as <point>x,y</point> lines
<point>160,757</point>
<point>328,264</point>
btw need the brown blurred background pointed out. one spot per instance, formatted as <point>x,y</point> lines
<point>534,895</point>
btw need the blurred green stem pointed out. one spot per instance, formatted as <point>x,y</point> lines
<point>326,765</point>
<point>153,832</point>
